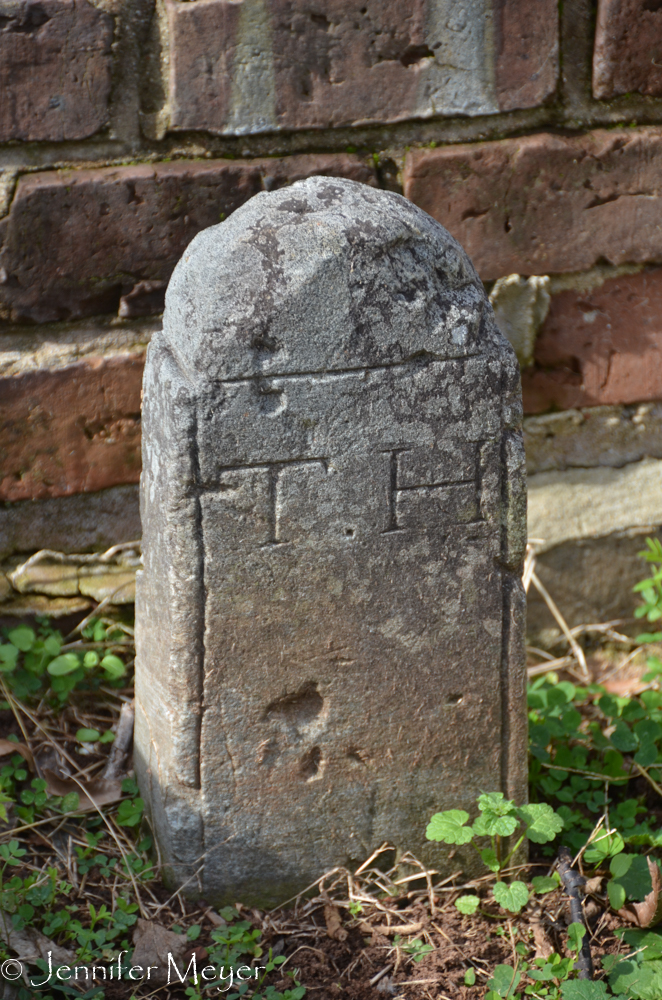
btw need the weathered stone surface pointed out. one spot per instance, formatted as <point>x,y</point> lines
<point>598,435</point>
<point>520,307</point>
<point>599,346</point>
<point>628,48</point>
<point>329,618</point>
<point>590,579</point>
<point>102,577</point>
<point>79,523</point>
<point>55,69</point>
<point>77,242</point>
<point>287,64</point>
<point>70,430</point>
<point>587,503</point>
<point>26,348</point>
<point>543,204</point>
<point>36,604</point>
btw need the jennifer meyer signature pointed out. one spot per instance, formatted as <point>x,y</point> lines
<point>12,969</point>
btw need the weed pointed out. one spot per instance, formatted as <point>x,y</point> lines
<point>651,590</point>
<point>578,759</point>
<point>416,948</point>
<point>34,663</point>
<point>500,820</point>
<point>550,977</point>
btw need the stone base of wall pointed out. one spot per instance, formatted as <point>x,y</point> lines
<point>85,522</point>
<point>590,579</point>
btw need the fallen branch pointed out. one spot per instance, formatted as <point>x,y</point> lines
<point>386,929</point>
<point>573,882</point>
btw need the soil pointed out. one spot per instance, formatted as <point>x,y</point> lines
<point>350,968</point>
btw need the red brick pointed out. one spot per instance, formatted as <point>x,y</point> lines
<point>75,242</point>
<point>628,48</point>
<point>600,347</point>
<point>70,430</point>
<point>527,51</point>
<point>325,63</point>
<point>55,69</point>
<point>544,204</point>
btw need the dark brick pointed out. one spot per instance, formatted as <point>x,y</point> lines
<point>70,430</point>
<point>628,48</point>
<point>599,347</point>
<point>325,63</point>
<point>527,51</point>
<point>77,241</point>
<point>55,69</point>
<point>545,203</point>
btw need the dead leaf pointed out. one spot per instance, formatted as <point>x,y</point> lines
<point>91,794</point>
<point>334,927</point>
<point>7,747</point>
<point>153,943</point>
<point>215,918</point>
<point>649,912</point>
<point>30,945</point>
<point>544,947</point>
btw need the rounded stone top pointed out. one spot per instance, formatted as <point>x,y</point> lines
<point>324,275</point>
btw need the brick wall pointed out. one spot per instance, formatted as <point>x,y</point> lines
<point>531,130</point>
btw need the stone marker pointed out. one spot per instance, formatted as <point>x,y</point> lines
<point>330,614</point>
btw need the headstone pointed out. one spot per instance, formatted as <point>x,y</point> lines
<point>330,614</point>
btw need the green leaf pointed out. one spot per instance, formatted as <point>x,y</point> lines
<point>8,657</point>
<point>499,817</point>
<point>619,865</point>
<point>130,812</point>
<point>576,933</point>
<point>107,737</point>
<point>65,664</point>
<point>648,940</point>
<point>646,755</point>
<point>467,904</point>
<point>489,857</point>
<point>542,823</point>
<point>512,897</point>
<point>635,878</point>
<point>478,826</point>
<point>647,731</point>
<point>113,666</point>
<point>497,804</point>
<point>449,827</point>
<point>603,847</point>
<point>22,637</point>
<point>505,980</point>
<point>623,738</point>
<point>616,894</point>
<point>88,735</point>
<point>542,884</point>
<point>637,981</point>
<point>52,645</point>
<point>470,977</point>
<point>91,659</point>
<point>585,989</point>
<point>70,802</point>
